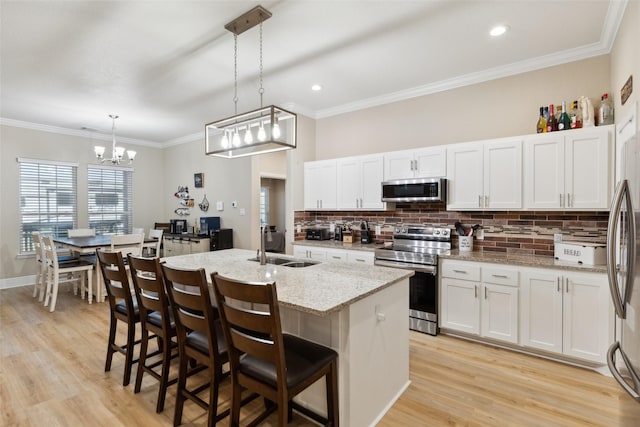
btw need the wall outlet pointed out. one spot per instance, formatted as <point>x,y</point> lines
<point>557,237</point>
<point>332,227</point>
<point>378,230</point>
<point>234,204</point>
<point>298,228</point>
<point>480,234</point>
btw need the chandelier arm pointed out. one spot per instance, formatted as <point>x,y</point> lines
<point>235,72</point>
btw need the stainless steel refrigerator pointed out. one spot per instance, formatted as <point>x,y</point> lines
<point>623,268</point>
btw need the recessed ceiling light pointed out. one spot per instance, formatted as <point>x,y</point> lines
<point>499,30</point>
<point>316,87</point>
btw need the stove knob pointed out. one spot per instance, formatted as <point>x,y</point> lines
<point>436,231</point>
<point>445,232</point>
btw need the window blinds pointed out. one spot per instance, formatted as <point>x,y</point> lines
<point>48,199</point>
<point>110,199</point>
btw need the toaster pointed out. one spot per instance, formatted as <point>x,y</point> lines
<point>317,234</point>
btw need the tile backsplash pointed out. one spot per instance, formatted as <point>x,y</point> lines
<point>509,232</point>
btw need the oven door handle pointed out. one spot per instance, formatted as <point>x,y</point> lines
<point>431,269</point>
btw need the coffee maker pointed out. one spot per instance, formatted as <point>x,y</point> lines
<point>177,226</point>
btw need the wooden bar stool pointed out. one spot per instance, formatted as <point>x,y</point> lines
<point>262,359</point>
<point>155,318</point>
<point>199,338</point>
<point>123,307</point>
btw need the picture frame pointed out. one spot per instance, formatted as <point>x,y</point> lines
<point>198,180</point>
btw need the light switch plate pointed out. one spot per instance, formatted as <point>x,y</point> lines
<point>480,234</point>
<point>557,237</point>
<point>242,211</point>
<point>220,206</point>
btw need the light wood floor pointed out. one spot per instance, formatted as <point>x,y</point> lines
<point>52,374</point>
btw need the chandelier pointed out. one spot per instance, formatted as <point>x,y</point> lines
<point>117,153</point>
<point>265,130</point>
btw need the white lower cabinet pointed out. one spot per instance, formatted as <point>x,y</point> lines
<point>331,254</point>
<point>566,312</point>
<point>480,300</point>
<point>184,246</point>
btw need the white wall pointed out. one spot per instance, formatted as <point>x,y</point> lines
<point>625,62</point>
<point>498,108</point>
<point>19,142</point>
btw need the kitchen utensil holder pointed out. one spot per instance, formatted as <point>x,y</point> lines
<point>465,243</point>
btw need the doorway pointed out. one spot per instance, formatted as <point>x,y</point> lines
<point>273,207</point>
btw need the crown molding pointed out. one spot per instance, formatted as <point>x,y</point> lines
<point>77,132</point>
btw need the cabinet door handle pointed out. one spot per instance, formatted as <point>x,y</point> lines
<point>500,276</point>
<point>568,200</point>
<point>361,203</point>
<point>460,271</point>
<point>335,257</point>
<point>486,201</point>
<point>561,200</point>
<point>558,284</point>
<point>485,292</point>
<point>359,260</point>
<point>567,284</point>
<point>475,290</point>
<point>479,201</point>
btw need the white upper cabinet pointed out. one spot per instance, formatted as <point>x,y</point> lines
<point>430,162</point>
<point>320,185</point>
<point>485,175</point>
<point>569,170</point>
<point>359,182</point>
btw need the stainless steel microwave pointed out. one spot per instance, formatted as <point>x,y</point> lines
<point>415,190</point>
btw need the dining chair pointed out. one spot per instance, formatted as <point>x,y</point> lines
<point>264,360</point>
<point>155,234</point>
<point>78,271</point>
<point>199,336</point>
<point>81,232</point>
<point>128,243</point>
<point>41,265</point>
<point>155,318</point>
<point>122,307</point>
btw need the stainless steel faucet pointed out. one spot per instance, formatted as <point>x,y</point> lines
<point>265,234</point>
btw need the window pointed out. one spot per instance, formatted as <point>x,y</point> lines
<point>110,197</point>
<point>264,205</point>
<point>48,199</point>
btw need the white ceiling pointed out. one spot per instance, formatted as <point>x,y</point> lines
<point>166,67</point>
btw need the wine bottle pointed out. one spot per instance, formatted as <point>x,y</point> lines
<point>541,127</point>
<point>576,116</point>
<point>564,123</point>
<point>552,122</point>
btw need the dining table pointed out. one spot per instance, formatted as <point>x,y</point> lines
<point>85,245</point>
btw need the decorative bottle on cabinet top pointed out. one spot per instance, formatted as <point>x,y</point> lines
<point>605,112</point>
<point>541,127</point>
<point>563,121</point>
<point>552,122</point>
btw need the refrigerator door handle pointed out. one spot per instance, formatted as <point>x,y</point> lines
<point>614,287</point>
<point>616,374</point>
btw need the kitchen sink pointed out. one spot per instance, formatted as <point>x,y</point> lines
<point>286,262</point>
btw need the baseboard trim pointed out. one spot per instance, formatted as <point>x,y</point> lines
<point>16,282</point>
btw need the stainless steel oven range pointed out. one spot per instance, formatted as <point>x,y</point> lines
<point>417,248</point>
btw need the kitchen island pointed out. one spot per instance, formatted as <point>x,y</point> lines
<point>358,310</point>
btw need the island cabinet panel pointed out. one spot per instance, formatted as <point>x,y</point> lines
<point>333,254</point>
<point>371,337</point>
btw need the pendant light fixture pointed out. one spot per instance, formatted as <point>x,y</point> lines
<point>117,153</point>
<point>265,130</point>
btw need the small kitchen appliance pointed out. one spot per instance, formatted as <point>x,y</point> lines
<point>178,226</point>
<point>415,190</point>
<point>317,233</point>
<point>338,233</point>
<point>208,224</point>
<point>416,247</point>
<point>365,233</point>
<point>581,252</point>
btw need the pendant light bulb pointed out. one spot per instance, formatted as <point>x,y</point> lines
<point>225,140</point>
<point>262,135</point>
<point>275,130</point>
<point>248,136</point>
<point>236,139</point>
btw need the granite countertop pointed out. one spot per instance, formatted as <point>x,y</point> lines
<point>319,289</point>
<point>333,244</point>
<point>526,260</point>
